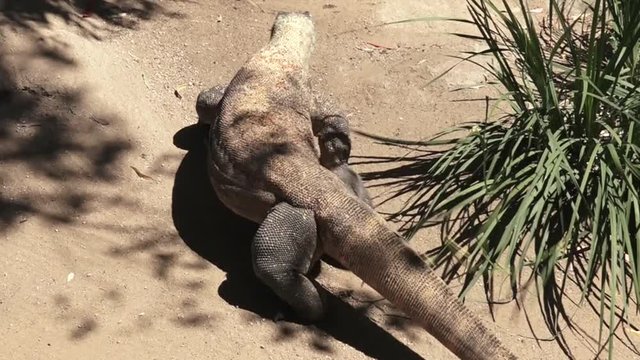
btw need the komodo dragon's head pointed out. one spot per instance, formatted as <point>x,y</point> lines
<point>294,29</point>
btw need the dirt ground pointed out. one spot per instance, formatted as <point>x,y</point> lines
<point>113,245</point>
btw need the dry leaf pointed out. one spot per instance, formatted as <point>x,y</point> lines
<point>141,174</point>
<point>99,121</point>
<point>144,79</point>
<point>379,46</point>
<point>178,89</point>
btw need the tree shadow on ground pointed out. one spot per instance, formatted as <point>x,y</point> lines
<point>221,237</point>
<point>42,137</point>
<point>28,14</point>
<point>43,140</point>
<point>35,135</point>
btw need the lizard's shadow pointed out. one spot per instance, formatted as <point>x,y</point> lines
<point>221,237</point>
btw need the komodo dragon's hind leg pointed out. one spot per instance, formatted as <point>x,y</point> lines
<point>207,104</point>
<point>282,253</point>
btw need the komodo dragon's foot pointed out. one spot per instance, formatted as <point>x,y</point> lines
<point>207,104</point>
<point>282,252</point>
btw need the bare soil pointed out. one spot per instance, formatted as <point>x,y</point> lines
<point>113,245</point>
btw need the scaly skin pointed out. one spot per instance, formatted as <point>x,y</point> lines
<point>329,126</point>
<point>263,164</point>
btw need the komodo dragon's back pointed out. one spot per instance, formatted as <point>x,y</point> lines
<point>264,166</point>
<point>272,82</point>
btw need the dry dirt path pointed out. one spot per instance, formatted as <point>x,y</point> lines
<point>112,243</point>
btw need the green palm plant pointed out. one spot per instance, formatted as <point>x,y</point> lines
<point>552,183</point>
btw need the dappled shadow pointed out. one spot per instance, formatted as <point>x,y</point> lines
<point>84,328</point>
<point>78,321</point>
<point>40,136</point>
<point>223,238</point>
<point>120,13</point>
<point>43,136</point>
<point>408,179</point>
<point>408,176</point>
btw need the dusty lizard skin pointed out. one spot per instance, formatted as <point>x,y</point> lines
<point>329,126</point>
<point>264,165</point>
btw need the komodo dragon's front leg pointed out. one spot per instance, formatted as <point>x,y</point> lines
<point>207,104</point>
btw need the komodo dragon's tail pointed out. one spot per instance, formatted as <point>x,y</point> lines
<point>396,271</point>
<point>361,240</point>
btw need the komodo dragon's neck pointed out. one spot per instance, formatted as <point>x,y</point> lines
<point>292,39</point>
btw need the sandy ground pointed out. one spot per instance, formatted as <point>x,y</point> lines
<point>113,245</point>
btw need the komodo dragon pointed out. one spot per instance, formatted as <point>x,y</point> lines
<point>328,124</point>
<point>264,166</point>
